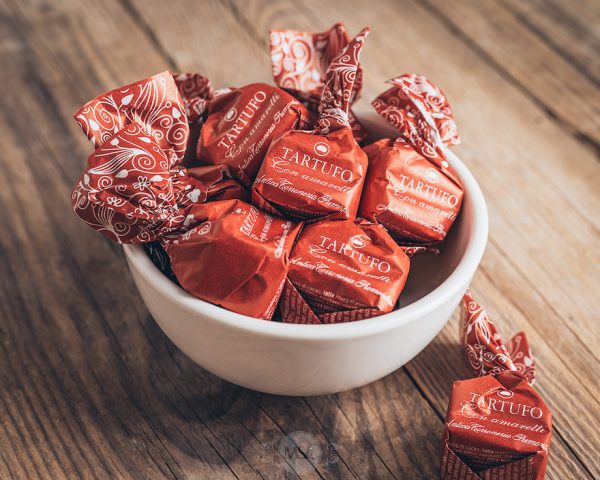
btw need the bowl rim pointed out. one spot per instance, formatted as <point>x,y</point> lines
<point>138,260</point>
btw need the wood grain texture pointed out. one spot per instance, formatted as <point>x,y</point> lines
<point>568,28</point>
<point>91,388</point>
<point>521,53</point>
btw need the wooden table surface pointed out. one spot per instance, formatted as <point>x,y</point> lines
<point>89,385</point>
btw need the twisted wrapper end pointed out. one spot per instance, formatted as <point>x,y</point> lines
<point>299,60</point>
<point>154,103</point>
<point>126,191</point>
<point>196,91</point>
<point>338,84</point>
<point>485,351</point>
<point>129,194</point>
<point>422,115</point>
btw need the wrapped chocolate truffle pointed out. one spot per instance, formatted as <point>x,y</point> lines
<point>410,187</point>
<point>342,271</point>
<point>497,426</point>
<point>300,61</point>
<point>318,174</point>
<point>133,189</point>
<point>236,256</point>
<point>241,125</point>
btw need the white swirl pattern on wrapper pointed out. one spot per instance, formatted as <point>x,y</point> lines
<point>154,103</point>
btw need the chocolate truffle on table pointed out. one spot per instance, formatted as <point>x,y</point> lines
<point>318,174</point>
<point>300,60</point>
<point>410,187</point>
<point>241,124</point>
<point>236,256</point>
<point>342,271</point>
<point>497,426</point>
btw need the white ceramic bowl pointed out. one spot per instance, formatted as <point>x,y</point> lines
<point>290,359</point>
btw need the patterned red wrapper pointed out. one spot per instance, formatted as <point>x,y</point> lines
<point>484,348</point>
<point>153,103</point>
<point>133,189</point>
<point>410,187</point>
<point>318,174</point>
<point>196,91</point>
<point>300,61</point>
<point>497,427</point>
<point>342,271</point>
<point>242,123</point>
<point>236,257</point>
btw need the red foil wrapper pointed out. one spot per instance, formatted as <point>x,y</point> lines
<point>133,189</point>
<point>310,175</point>
<point>241,125</point>
<point>236,257</point>
<point>342,271</point>
<point>410,187</point>
<point>196,91</point>
<point>300,61</point>
<point>497,426</point>
<point>215,184</point>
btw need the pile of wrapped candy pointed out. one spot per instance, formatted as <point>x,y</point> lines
<point>261,199</point>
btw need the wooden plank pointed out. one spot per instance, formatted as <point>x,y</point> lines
<point>571,29</point>
<point>540,71</point>
<point>205,37</point>
<point>384,430</point>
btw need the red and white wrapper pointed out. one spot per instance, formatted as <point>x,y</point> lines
<point>196,91</point>
<point>236,257</point>
<point>343,271</point>
<point>133,189</point>
<point>485,351</point>
<point>497,427</point>
<point>154,104</point>
<point>410,187</point>
<point>318,174</point>
<point>241,124</point>
<point>421,113</point>
<point>300,61</point>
